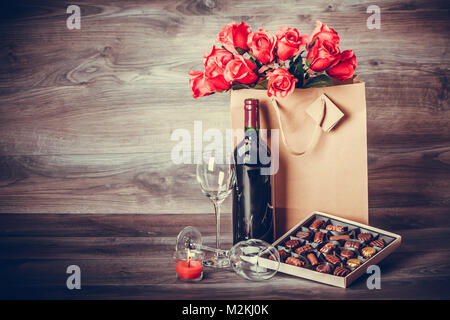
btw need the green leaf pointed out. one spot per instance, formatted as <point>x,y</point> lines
<point>319,81</point>
<point>311,44</point>
<point>308,63</point>
<point>253,59</point>
<point>296,69</point>
<point>262,85</point>
<point>237,86</point>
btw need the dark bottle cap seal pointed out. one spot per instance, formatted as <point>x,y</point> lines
<point>251,111</point>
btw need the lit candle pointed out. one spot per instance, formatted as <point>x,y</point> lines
<point>189,265</point>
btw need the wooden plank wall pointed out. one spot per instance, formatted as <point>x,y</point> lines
<point>86,115</point>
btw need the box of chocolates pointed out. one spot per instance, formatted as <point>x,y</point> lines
<point>331,250</point>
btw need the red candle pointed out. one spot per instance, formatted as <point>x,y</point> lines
<point>191,268</point>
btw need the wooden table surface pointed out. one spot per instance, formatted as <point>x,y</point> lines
<point>130,257</point>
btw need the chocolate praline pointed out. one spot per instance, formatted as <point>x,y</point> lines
<point>318,237</point>
<point>328,247</point>
<point>304,235</point>
<point>377,243</point>
<point>331,258</point>
<point>340,237</point>
<point>302,249</point>
<point>323,268</point>
<point>291,244</point>
<point>341,271</point>
<point>332,227</point>
<point>352,244</point>
<point>347,253</point>
<point>364,236</point>
<point>295,262</point>
<point>368,252</point>
<point>317,224</point>
<point>354,263</point>
<point>312,259</point>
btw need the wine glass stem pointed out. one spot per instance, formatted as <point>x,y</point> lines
<point>217,212</point>
<point>206,248</point>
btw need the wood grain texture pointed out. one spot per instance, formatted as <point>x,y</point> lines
<point>130,256</point>
<point>151,183</point>
<point>86,116</point>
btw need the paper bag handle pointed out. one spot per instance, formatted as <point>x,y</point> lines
<point>314,138</point>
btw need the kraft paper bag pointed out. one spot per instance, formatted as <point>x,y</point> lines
<point>322,150</point>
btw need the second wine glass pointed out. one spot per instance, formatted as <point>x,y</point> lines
<point>216,176</point>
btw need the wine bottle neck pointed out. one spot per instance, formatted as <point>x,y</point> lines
<point>251,114</point>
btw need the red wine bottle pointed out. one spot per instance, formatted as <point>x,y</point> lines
<point>252,194</point>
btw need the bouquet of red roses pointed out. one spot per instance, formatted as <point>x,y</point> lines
<point>247,59</point>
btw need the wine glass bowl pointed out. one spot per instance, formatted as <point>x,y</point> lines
<point>245,259</point>
<point>216,177</point>
<point>188,238</point>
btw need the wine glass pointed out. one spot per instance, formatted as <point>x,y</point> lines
<point>252,259</point>
<point>216,178</point>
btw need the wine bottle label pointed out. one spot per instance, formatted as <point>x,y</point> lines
<point>243,149</point>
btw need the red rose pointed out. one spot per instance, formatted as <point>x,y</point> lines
<point>234,35</point>
<point>345,68</point>
<point>215,62</point>
<point>322,32</point>
<point>281,83</point>
<point>289,42</point>
<point>202,85</point>
<point>322,55</point>
<point>241,70</point>
<point>262,45</point>
<point>199,84</point>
